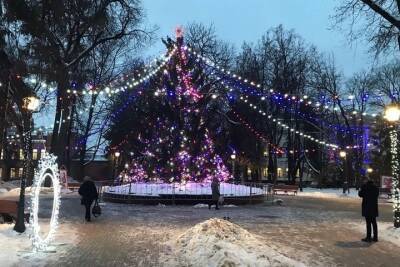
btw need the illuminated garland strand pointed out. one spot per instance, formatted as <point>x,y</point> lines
<point>303,116</point>
<point>395,181</point>
<point>256,133</point>
<point>260,136</point>
<point>131,98</point>
<point>282,125</point>
<point>47,168</point>
<point>257,85</point>
<point>278,103</point>
<point>109,90</point>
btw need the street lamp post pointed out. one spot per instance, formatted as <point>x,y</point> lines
<point>233,158</point>
<point>392,115</point>
<point>343,155</point>
<point>30,105</point>
<point>116,156</point>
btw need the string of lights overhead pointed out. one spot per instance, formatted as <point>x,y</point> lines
<point>130,82</point>
<point>301,99</point>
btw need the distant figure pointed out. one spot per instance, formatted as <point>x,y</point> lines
<point>88,191</point>
<point>64,176</point>
<point>215,193</point>
<point>369,194</point>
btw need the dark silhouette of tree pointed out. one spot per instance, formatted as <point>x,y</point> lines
<point>59,35</point>
<point>376,20</point>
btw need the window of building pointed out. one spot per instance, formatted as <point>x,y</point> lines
<point>1,154</point>
<point>13,173</point>
<point>264,175</point>
<point>21,154</point>
<point>279,172</point>
<point>34,154</point>
<point>1,173</point>
<point>42,153</point>
<point>21,172</point>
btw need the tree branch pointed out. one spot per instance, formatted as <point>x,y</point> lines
<point>378,9</point>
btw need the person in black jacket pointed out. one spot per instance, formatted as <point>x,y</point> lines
<point>89,193</point>
<point>369,194</point>
<point>215,193</point>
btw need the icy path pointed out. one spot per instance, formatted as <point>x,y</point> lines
<point>317,232</point>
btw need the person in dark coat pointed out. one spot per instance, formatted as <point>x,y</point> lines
<point>369,194</point>
<point>88,191</point>
<point>215,193</point>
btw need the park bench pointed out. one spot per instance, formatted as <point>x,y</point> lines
<point>285,189</point>
<point>9,210</point>
<point>387,191</point>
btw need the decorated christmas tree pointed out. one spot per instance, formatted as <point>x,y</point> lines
<point>170,132</point>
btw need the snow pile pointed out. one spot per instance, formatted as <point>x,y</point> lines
<point>15,191</point>
<point>155,189</point>
<point>16,249</point>
<point>7,186</point>
<point>217,242</point>
<point>327,193</point>
<point>386,231</point>
<point>11,243</point>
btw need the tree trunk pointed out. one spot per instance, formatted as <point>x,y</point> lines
<point>60,129</point>
<point>69,136</point>
<point>82,152</point>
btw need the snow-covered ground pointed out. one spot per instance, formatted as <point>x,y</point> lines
<point>44,191</point>
<point>11,189</point>
<point>328,193</point>
<point>386,231</point>
<point>16,248</point>
<point>202,205</point>
<point>217,242</point>
<point>7,186</point>
<point>155,189</point>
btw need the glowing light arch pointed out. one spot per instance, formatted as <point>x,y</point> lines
<point>47,168</point>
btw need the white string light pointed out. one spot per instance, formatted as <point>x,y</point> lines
<point>47,168</point>
<point>278,122</point>
<point>130,83</point>
<point>395,181</point>
<point>300,99</point>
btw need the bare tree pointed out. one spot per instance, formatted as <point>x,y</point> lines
<point>61,34</point>
<point>376,20</point>
<point>387,78</point>
<point>104,64</point>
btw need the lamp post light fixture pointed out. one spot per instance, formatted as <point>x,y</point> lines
<point>343,155</point>
<point>30,105</point>
<point>116,156</point>
<point>233,158</point>
<point>369,170</point>
<point>392,115</point>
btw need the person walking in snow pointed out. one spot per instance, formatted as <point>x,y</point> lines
<point>64,176</point>
<point>369,194</point>
<point>88,191</point>
<point>215,193</point>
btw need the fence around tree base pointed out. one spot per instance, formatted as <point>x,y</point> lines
<point>189,194</point>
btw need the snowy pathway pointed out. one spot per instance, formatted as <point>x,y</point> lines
<point>317,232</point>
